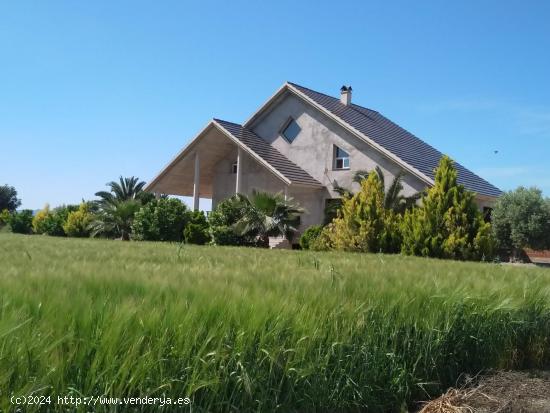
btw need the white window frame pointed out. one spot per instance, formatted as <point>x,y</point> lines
<point>343,159</point>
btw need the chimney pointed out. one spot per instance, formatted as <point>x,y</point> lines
<point>345,95</point>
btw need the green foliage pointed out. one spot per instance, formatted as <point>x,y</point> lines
<point>4,217</point>
<point>20,222</point>
<point>223,219</point>
<point>363,224</point>
<point>267,215</point>
<point>114,219</point>
<point>250,330</point>
<point>8,198</point>
<point>78,222</point>
<point>161,220</point>
<point>50,222</point>
<point>198,229</point>
<point>125,190</point>
<point>448,224</point>
<point>310,235</point>
<point>521,218</point>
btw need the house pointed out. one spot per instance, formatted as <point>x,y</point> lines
<point>301,143</point>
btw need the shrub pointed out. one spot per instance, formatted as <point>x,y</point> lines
<point>222,222</point>
<point>4,217</point>
<point>197,231</point>
<point>161,220</point>
<point>49,222</point>
<point>196,234</point>
<point>78,222</point>
<point>363,224</point>
<point>521,218</point>
<point>310,235</point>
<point>448,224</point>
<point>21,222</point>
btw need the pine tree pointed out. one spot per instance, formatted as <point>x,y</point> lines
<point>448,224</point>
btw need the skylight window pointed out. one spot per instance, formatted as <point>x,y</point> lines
<point>341,158</point>
<point>291,130</point>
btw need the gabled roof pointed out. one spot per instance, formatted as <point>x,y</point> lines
<point>409,149</point>
<point>269,154</point>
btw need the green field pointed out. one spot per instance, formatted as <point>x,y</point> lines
<point>239,329</point>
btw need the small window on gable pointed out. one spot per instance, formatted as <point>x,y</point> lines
<point>341,158</point>
<point>291,130</point>
<point>234,168</point>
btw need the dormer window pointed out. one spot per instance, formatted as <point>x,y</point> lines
<point>291,130</point>
<point>341,158</point>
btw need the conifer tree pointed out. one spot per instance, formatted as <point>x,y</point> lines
<point>448,223</point>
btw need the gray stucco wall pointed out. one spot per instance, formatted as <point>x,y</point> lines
<point>313,148</point>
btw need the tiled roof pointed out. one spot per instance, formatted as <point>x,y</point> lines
<point>268,153</point>
<point>403,144</point>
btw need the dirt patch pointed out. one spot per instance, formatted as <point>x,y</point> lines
<point>501,392</point>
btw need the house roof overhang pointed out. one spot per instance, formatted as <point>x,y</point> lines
<point>213,143</point>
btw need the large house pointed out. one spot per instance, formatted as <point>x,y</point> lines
<point>302,143</point>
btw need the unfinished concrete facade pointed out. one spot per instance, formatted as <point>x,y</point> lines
<point>303,143</point>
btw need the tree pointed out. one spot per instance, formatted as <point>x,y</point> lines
<point>521,218</point>
<point>448,223</point>
<point>161,220</point>
<point>124,190</point>
<point>117,208</point>
<point>393,197</point>
<point>265,215</point>
<point>363,224</point>
<point>78,222</point>
<point>114,220</point>
<point>8,198</point>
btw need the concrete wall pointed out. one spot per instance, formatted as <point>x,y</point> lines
<point>313,147</point>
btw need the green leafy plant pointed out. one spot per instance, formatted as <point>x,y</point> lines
<point>268,215</point>
<point>310,235</point>
<point>50,222</point>
<point>363,223</point>
<point>114,220</point>
<point>448,223</point>
<point>223,219</point>
<point>521,218</point>
<point>161,220</point>
<point>78,222</point>
<point>8,198</point>
<point>21,222</point>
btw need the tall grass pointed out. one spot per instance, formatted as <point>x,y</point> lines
<point>239,329</point>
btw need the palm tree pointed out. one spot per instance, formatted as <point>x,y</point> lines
<point>266,215</point>
<point>393,199</point>
<point>124,190</point>
<point>115,219</point>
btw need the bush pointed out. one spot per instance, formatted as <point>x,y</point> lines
<point>161,220</point>
<point>49,222</point>
<point>448,224</point>
<point>21,222</point>
<point>363,224</point>
<point>521,218</point>
<point>196,234</point>
<point>4,217</point>
<point>310,235</point>
<point>78,222</point>
<point>197,230</point>
<point>222,222</point>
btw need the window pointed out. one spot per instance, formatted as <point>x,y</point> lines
<point>291,130</point>
<point>341,158</point>
<point>234,168</point>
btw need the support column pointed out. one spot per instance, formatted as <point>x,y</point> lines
<point>286,193</point>
<point>196,182</point>
<point>239,177</point>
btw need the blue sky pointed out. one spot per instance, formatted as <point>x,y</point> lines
<point>93,90</point>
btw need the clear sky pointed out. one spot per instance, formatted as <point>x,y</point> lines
<point>93,90</point>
